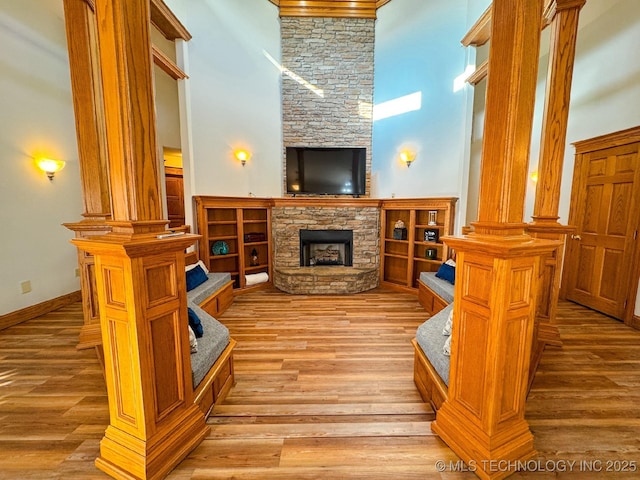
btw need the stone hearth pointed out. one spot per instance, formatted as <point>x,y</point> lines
<point>322,280</point>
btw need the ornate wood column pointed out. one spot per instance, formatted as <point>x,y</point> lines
<point>562,17</point>
<point>498,265</point>
<point>92,153</point>
<point>154,422</point>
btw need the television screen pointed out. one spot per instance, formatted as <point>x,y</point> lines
<point>326,171</point>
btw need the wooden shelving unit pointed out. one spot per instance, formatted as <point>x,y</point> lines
<point>244,225</point>
<point>402,260</point>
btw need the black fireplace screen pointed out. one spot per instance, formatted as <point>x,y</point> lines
<point>326,247</point>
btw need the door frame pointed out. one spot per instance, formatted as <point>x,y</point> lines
<point>615,139</point>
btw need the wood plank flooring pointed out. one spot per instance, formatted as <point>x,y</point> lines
<point>324,390</point>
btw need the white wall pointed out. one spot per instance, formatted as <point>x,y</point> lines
<point>37,118</point>
<point>167,110</point>
<point>418,50</point>
<point>235,95</point>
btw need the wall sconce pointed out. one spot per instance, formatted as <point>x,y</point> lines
<point>242,156</point>
<point>50,166</point>
<point>407,157</point>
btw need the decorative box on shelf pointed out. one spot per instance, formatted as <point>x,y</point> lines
<point>431,235</point>
<point>399,231</point>
<point>254,237</point>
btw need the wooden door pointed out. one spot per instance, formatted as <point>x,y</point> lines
<point>605,202</point>
<point>175,196</point>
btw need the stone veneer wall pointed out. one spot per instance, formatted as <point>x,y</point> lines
<point>335,56</point>
<point>286,221</point>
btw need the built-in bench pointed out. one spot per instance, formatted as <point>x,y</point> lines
<point>434,293</point>
<point>431,365</point>
<point>212,365</point>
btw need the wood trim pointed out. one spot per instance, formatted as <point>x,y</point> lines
<point>42,308</point>
<point>328,8</point>
<point>326,202</point>
<point>635,322</point>
<point>381,3</point>
<point>480,32</point>
<point>480,74</point>
<point>555,6</point>
<point>165,21</point>
<point>167,65</point>
<point>623,137</point>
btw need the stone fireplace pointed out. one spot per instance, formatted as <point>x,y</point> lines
<point>326,248</point>
<point>290,217</point>
<point>332,107</point>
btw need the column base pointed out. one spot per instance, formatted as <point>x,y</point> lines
<point>491,456</point>
<point>123,456</point>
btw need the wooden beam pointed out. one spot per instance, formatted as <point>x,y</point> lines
<point>480,32</point>
<point>167,65</point>
<point>328,8</point>
<point>165,21</point>
<point>480,73</point>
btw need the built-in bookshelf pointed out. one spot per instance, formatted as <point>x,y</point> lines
<point>236,237</point>
<point>417,246</point>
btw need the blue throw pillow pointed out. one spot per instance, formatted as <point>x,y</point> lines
<point>195,277</point>
<point>194,323</point>
<point>447,272</point>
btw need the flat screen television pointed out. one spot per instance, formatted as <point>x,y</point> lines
<point>326,170</point>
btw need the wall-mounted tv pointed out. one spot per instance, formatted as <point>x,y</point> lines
<point>326,170</point>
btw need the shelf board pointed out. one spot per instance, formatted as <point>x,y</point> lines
<point>396,281</point>
<point>222,257</point>
<point>429,244</point>
<point>393,240</point>
<point>251,244</point>
<point>429,226</point>
<point>397,255</point>
<point>222,222</point>
<point>222,237</point>
<point>254,221</point>
<point>256,267</point>
<point>427,260</point>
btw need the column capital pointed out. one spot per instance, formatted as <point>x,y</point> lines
<point>556,6</point>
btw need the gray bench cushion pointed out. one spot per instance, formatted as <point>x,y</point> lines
<point>440,287</point>
<point>202,292</point>
<point>431,340</point>
<point>212,343</point>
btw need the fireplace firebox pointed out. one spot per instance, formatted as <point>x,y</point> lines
<point>326,247</point>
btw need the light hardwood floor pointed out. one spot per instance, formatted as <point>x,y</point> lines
<point>324,390</point>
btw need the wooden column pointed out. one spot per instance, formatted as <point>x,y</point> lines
<point>92,153</point>
<point>497,271</point>
<point>562,17</point>
<point>154,422</point>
